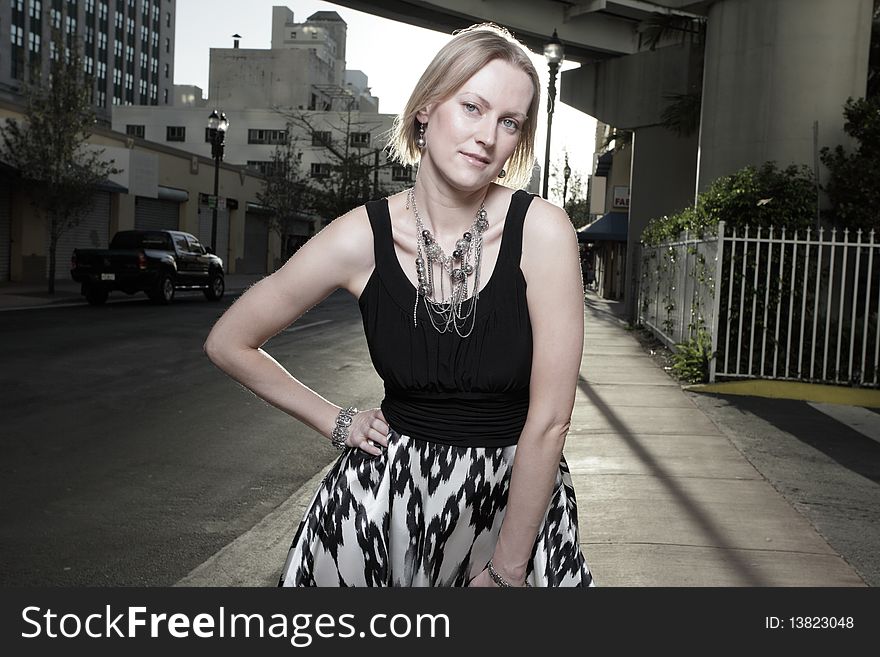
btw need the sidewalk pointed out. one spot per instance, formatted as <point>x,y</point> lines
<point>34,295</point>
<point>664,498</point>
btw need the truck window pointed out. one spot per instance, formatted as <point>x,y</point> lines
<point>181,244</point>
<point>156,241</point>
<point>195,247</point>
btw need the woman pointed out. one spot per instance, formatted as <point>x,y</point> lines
<point>458,478</point>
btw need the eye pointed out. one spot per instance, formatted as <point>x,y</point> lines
<point>470,108</point>
<point>510,124</point>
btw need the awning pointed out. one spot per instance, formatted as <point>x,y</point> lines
<point>173,194</point>
<point>603,164</point>
<point>610,227</point>
<point>112,187</point>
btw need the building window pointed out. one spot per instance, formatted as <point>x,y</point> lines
<point>259,136</point>
<point>175,133</point>
<point>89,64</point>
<point>167,69</point>
<point>117,77</point>
<point>167,19</point>
<point>34,42</point>
<point>266,167</point>
<point>55,18</point>
<point>320,170</point>
<point>401,174</point>
<point>321,138</point>
<point>165,96</point>
<point>358,139</point>
<point>102,11</point>
<point>135,130</point>
<point>167,44</point>
<point>36,9</point>
<point>102,72</point>
<point>129,54</point>
<point>117,49</point>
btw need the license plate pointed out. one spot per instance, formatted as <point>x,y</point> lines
<point>108,277</point>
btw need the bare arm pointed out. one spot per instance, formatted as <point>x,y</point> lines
<point>338,256</point>
<point>551,266</point>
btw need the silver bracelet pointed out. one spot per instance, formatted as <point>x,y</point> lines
<point>340,431</point>
<point>498,579</point>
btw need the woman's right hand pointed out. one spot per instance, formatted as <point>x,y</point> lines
<point>369,431</point>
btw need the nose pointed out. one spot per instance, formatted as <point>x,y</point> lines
<point>486,132</point>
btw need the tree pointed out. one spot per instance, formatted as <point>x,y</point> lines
<point>854,182</point>
<point>350,173</point>
<point>286,192</point>
<point>577,198</point>
<point>56,168</point>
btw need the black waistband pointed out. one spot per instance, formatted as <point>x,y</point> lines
<point>465,419</point>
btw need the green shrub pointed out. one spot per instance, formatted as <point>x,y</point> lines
<point>757,197</point>
<point>690,361</point>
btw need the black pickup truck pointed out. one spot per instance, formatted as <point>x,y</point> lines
<point>157,262</point>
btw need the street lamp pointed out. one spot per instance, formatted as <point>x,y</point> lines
<point>554,53</point>
<point>218,124</point>
<point>566,174</point>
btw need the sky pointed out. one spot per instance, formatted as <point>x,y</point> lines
<point>391,54</point>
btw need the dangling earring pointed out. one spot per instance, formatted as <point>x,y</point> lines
<point>502,173</point>
<point>420,142</point>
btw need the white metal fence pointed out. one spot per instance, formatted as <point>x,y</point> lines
<point>797,305</point>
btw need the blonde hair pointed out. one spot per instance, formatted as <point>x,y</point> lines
<point>464,55</point>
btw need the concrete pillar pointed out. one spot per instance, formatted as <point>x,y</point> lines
<point>662,177</point>
<point>772,68</point>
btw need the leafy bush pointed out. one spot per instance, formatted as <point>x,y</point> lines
<point>764,196</point>
<point>690,362</point>
<point>854,182</point>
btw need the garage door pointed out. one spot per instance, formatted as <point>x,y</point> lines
<point>93,232</point>
<point>256,243</point>
<point>205,219</point>
<point>5,229</point>
<point>156,214</point>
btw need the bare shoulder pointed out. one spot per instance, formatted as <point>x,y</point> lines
<point>547,233</point>
<point>351,237</point>
<point>339,255</point>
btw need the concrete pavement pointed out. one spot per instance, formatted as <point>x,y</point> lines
<point>664,498</point>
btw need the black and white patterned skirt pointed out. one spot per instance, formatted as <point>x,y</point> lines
<point>425,514</point>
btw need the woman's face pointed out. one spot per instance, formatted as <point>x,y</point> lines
<point>471,134</point>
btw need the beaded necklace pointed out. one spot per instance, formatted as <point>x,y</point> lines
<point>450,313</point>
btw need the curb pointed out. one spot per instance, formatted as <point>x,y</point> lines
<point>793,390</point>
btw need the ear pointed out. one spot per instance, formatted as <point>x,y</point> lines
<point>424,114</point>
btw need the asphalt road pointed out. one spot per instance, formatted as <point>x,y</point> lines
<point>127,458</point>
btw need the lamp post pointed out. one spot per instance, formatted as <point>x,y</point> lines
<point>218,124</point>
<point>566,174</point>
<point>554,53</point>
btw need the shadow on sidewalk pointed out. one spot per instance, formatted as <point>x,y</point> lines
<point>684,502</point>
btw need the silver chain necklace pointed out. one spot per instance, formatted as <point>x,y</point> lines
<point>452,312</point>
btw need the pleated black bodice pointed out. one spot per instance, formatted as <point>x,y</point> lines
<point>472,391</point>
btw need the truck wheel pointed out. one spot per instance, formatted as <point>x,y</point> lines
<point>96,295</point>
<point>164,291</point>
<point>216,287</point>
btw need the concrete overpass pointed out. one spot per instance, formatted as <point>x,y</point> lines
<point>766,75</point>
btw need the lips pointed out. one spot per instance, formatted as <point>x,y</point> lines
<point>476,159</point>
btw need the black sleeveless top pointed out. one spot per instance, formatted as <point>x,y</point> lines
<point>470,392</point>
